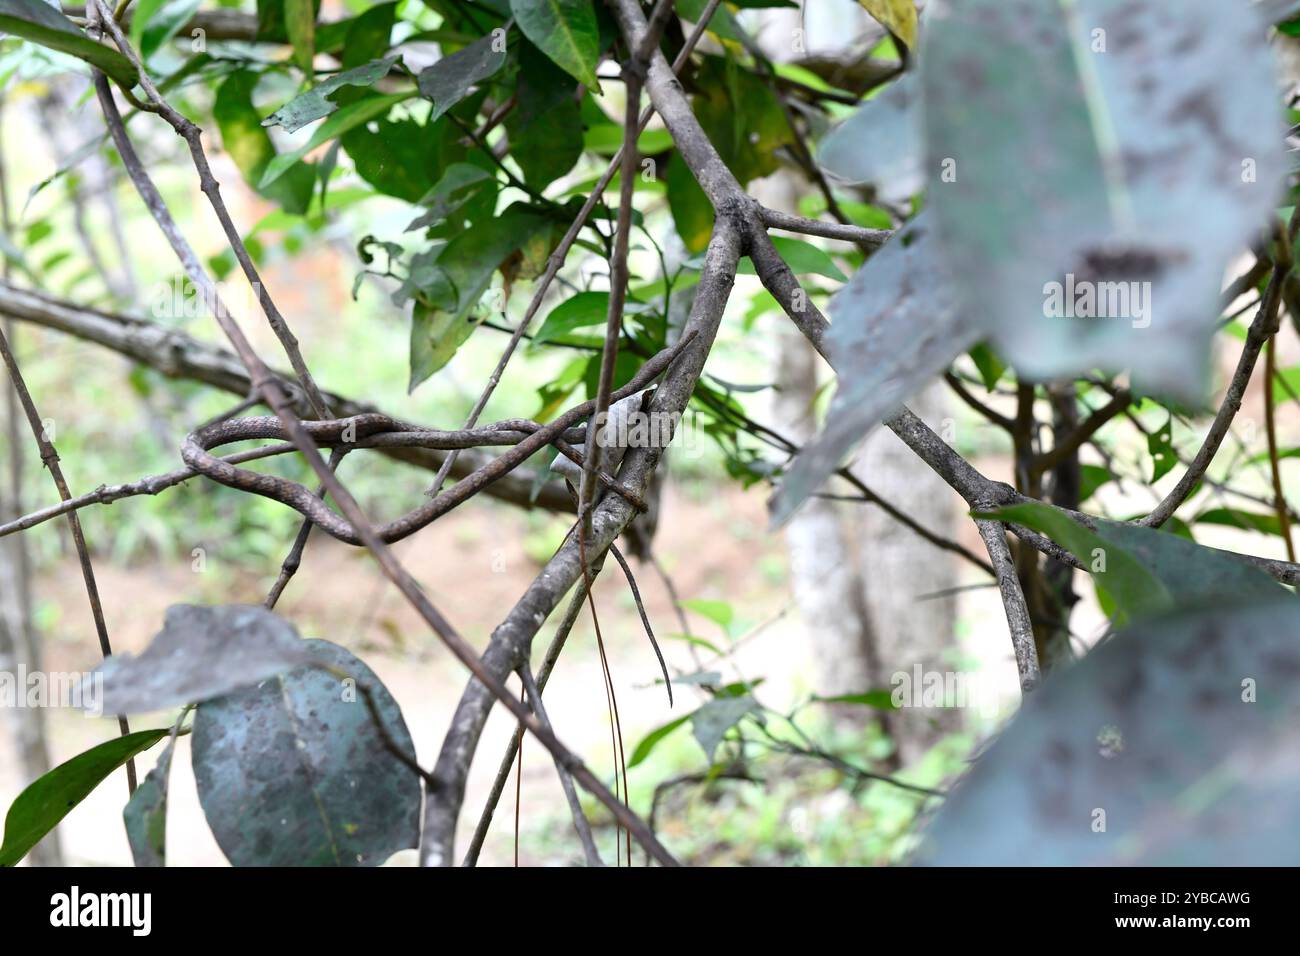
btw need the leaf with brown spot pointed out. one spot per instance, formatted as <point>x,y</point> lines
<point>1155,728</point>
<point>293,772</point>
<point>1094,167</point>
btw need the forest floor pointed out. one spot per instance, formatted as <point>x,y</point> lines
<point>475,563</point>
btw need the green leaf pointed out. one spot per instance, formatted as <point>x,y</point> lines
<point>579,311</point>
<point>545,128</point>
<point>1246,520</point>
<point>696,642</point>
<point>879,699</point>
<point>1147,572</point>
<point>41,23</point>
<point>201,652</point>
<point>315,103</point>
<point>300,24</point>
<point>436,335</point>
<point>1287,385</point>
<point>251,148</point>
<point>369,36</point>
<point>145,814</point>
<point>270,21</point>
<point>719,612</point>
<point>626,365</point>
<point>39,808</point>
<point>566,31</point>
<point>802,257</point>
<point>348,117</point>
<point>742,117</point>
<point>651,740</point>
<point>899,16</point>
<point>1160,445</point>
<point>449,81</point>
<point>443,320</point>
<point>1181,730</point>
<point>722,24</point>
<point>607,139</point>
<point>989,366</point>
<point>459,185</point>
<point>1264,456</point>
<point>1134,590</point>
<point>691,209</point>
<point>293,772</point>
<point>402,157</point>
<point>470,259</point>
<point>155,22</point>
<point>712,721</point>
<point>1092,477</point>
<point>1107,250</point>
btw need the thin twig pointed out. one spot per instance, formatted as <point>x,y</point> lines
<point>633,78</point>
<point>556,260</point>
<point>212,189</point>
<point>580,822</point>
<point>508,758</point>
<point>292,561</point>
<point>701,776</point>
<point>51,459</point>
<point>1115,407</point>
<point>268,386</point>
<point>775,439</point>
<point>1262,328</point>
<point>961,391</point>
<point>645,618</point>
<point>1013,600</point>
<point>859,235</point>
<point>173,353</point>
<point>1275,468</point>
<point>485,436</point>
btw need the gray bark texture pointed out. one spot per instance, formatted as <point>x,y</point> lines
<point>19,640</point>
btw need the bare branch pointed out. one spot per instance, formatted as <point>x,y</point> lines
<point>508,758</point>
<point>1072,443</point>
<point>1013,600</point>
<point>1262,329</point>
<point>511,639</point>
<point>292,560</point>
<point>276,399</point>
<point>580,822</point>
<point>50,457</point>
<point>177,355</point>
<point>556,260</point>
<point>860,235</point>
<point>633,74</point>
<point>961,391</point>
<point>1275,466</point>
<point>212,189</point>
<point>195,452</point>
<point>645,618</point>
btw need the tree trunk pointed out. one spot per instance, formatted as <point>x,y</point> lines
<point>857,575</point>
<point>18,639</point>
<point>19,646</point>
<point>912,623</point>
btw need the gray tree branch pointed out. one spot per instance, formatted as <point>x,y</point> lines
<point>177,355</point>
